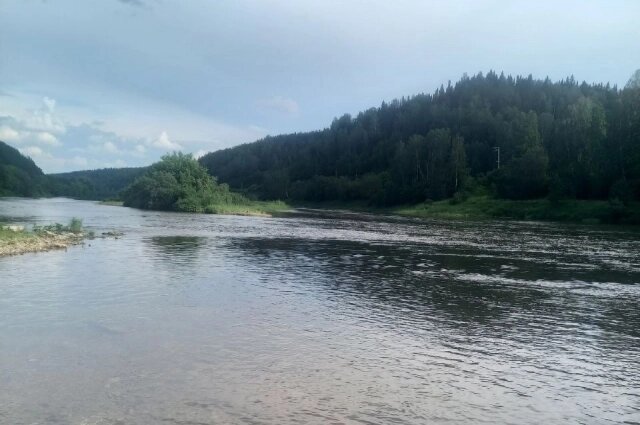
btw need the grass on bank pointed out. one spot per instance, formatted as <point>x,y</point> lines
<point>12,236</point>
<point>21,233</point>
<point>112,202</point>
<point>248,207</point>
<point>485,207</point>
<point>74,226</point>
<point>257,208</point>
<point>18,240</point>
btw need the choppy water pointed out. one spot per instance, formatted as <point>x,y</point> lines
<point>319,318</point>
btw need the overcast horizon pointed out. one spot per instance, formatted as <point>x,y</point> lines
<point>115,83</point>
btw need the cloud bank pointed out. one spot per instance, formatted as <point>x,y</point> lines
<point>120,82</point>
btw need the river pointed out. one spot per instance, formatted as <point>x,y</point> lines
<point>318,317</point>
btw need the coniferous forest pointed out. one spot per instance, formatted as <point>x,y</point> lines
<point>511,138</point>
<point>19,175</point>
<point>519,138</point>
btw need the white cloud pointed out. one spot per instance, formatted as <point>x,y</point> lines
<point>49,104</point>
<point>8,134</point>
<point>55,164</point>
<point>40,133</point>
<point>138,3</point>
<point>22,135</point>
<point>62,131</point>
<point>47,138</point>
<point>40,126</point>
<point>279,104</point>
<point>52,163</point>
<point>200,153</point>
<point>163,142</point>
<point>119,163</point>
<point>32,151</point>
<point>77,161</point>
<point>44,118</point>
<point>111,148</point>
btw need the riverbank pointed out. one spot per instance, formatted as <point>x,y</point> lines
<point>252,208</point>
<point>15,240</point>
<point>249,208</point>
<point>484,207</point>
<point>112,203</point>
<point>487,208</point>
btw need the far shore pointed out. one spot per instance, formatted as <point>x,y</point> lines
<point>487,208</point>
<point>252,208</point>
<point>471,208</point>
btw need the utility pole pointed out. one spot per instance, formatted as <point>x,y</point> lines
<point>497,149</point>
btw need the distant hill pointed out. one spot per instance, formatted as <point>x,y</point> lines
<point>509,137</point>
<point>19,175</point>
<point>515,137</point>
<point>100,184</point>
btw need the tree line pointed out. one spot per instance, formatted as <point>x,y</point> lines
<point>513,137</point>
<point>558,139</point>
<point>19,175</point>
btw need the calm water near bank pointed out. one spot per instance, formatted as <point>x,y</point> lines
<point>318,317</point>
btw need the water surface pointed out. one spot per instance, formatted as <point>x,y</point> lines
<point>319,318</point>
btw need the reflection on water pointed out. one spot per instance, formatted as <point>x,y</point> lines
<point>319,318</point>
<point>177,248</point>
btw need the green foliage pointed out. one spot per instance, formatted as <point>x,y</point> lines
<point>19,175</point>
<point>524,177</point>
<point>621,192</point>
<point>179,183</point>
<point>250,208</point>
<point>634,81</point>
<point>8,236</point>
<point>562,140</point>
<point>74,226</point>
<point>484,207</point>
<point>100,184</point>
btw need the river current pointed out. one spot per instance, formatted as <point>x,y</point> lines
<point>319,317</point>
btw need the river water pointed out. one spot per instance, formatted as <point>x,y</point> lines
<point>318,317</point>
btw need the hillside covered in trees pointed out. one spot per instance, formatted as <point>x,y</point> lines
<point>557,139</point>
<point>508,138</point>
<point>99,184</point>
<point>19,175</point>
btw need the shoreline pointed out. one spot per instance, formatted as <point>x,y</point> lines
<point>251,209</point>
<point>473,208</point>
<point>29,242</point>
<point>478,208</point>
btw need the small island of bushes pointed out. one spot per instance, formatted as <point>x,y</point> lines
<point>179,183</point>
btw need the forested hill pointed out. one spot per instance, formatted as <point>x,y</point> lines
<point>554,139</point>
<point>560,139</point>
<point>99,184</point>
<point>19,175</point>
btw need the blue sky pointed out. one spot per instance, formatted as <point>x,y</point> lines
<point>103,83</point>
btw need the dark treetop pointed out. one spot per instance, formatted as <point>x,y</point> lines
<point>562,139</point>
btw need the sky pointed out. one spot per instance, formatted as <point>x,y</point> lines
<point>113,83</point>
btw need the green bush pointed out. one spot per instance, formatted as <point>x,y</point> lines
<point>75,225</point>
<point>179,183</point>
